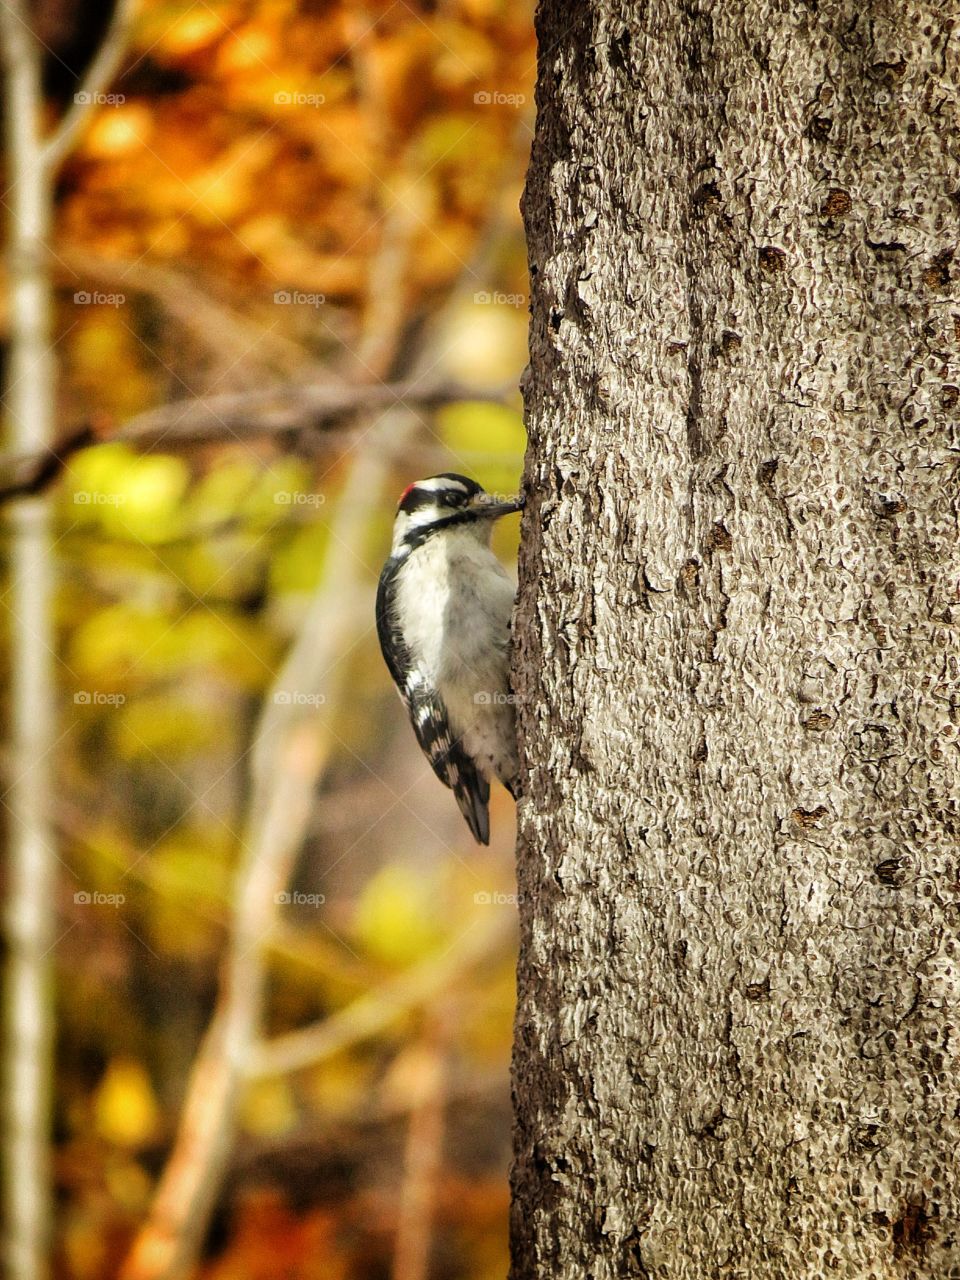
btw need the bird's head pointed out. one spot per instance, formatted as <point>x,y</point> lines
<point>448,501</point>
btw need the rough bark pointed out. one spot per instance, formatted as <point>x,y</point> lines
<point>738,1036</point>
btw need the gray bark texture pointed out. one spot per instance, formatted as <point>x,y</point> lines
<point>738,1030</point>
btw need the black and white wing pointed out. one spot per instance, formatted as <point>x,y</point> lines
<point>429,718</point>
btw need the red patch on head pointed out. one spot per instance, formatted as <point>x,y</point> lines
<point>408,489</point>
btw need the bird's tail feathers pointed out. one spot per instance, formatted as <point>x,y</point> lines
<point>473,796</point>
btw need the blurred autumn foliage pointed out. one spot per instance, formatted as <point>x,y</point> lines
<point>273,194</point>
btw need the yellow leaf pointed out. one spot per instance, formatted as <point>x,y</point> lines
<point>488,441</point>
<point>116,637</point>
<point>165,726</point>
<point>131,496</point>
<point>118,130</point>
<point>245,50</point>
<point>125,1107</point>
<point>482,429</point>
<point>268,1109</point>
<point>198,27</point>
<point>396,918</point>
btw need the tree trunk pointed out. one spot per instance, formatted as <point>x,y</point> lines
<point>29,400</point>
<point>30,907</point>
<point>738,1036</point>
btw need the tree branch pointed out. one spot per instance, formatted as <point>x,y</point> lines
<point>234,417</point>
<point>250,414</point>
<point>375,1012</point>
<point>99,75</point>
<point>423,1157</point>
<point>31,473</point>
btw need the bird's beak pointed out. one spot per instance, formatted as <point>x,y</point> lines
<point>491,506</point>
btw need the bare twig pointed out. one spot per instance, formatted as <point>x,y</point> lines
<point>99,74</point>
<point>375,1012</point>
<point>387,301</point>
<point>31,473</point>
<point>422,1162</point>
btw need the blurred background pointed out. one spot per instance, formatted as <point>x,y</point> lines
<point>290,279</point>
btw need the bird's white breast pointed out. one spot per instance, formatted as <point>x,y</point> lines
<point>457,598</point>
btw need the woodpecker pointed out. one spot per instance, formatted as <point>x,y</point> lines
<point>443,618</point>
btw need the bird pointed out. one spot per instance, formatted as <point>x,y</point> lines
<point>444,602</point>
